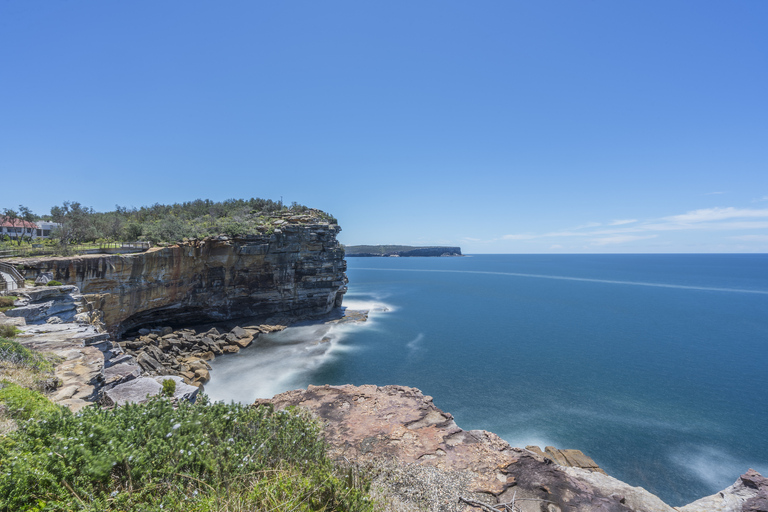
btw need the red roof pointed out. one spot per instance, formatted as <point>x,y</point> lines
<point>16,223</point>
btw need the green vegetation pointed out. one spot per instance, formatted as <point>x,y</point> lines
<point>6,302</point>
<point>160,223</point>
<point>53,283</point>
<point>8,331</point>
<point>160,455</point>
<point>204,457</point>
<point>13,352</point>
<point>169,387</point>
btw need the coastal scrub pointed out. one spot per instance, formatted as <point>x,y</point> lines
<point>157,455</point>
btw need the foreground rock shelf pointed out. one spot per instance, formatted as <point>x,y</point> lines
<point>371,424</point>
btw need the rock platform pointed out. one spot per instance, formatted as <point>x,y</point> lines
<point>370,424</point>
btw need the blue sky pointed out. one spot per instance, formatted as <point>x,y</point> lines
<point>498,126</point>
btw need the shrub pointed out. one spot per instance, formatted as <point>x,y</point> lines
<point>6,303</point>
<point>23,404</point>
<point>8,331</point>
<point>169,387</point>
<point>152,456</point>
<point>53,283</point>
<point>15,353</point>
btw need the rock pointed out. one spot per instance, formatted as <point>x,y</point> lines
<point>54,320</point>
<point>231,349</point>
<point>166,330</point>
<point>299,274</point>
<point>44,277</point>
<point>149,363</point>
<point>370,423</point>
<point>239,332</point>
<point>202,375</point>
<point>244,342</point>
<point>748,494</point>
<point>143,332</point>
<point>138,390</point>
<point>119,373</point>
<point>81,369</point>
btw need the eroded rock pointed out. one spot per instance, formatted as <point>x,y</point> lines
<point>370,423</point>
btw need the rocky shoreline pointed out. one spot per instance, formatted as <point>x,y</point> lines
<point>419,458</point>
<point>426,462</point>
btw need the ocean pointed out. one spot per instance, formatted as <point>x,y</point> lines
<point>656,366</point>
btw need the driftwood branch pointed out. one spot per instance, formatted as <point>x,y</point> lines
<point>499,507</point>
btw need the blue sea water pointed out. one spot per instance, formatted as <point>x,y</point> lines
<point>654,365</point>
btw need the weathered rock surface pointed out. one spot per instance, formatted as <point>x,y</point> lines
<point>748,494</point>
<point>369,423</point>
<point>81,371</point>
<point>142,388</point>
<point>163,351</point>
<point>39,305</point>
<point>296,271</point>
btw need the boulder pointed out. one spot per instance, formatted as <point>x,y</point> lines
<point>239,332</point>
<point>139,390</point>
<point>149,364</point>
<point>44,277</point>
<point>748,494</point>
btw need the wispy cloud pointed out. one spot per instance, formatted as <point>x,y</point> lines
<point>521,237</point>
<point>588,225</point>
<point>764,198</point>
<point>751,238</point>
<point>619,239</point>
<point>629,230</point>
<point>710,214</point>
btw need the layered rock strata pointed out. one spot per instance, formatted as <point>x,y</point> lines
<point>297,271</point>
<point>416,442</point>
<point>185,353</point>
<point>60,321</point>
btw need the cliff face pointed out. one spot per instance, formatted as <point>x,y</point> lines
<point>297,271</point>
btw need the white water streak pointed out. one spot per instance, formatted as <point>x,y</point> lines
<point>583,279</point>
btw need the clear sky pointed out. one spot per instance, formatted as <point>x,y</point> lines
<point>499,126</point>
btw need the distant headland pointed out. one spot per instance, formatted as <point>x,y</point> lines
<point>395,251</point>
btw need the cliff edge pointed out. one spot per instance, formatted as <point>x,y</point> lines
<point>295,271</point>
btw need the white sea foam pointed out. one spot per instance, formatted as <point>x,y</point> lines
<point>582,279</point>
<point>523,439</point>
<point>415,343</point>
<point>281,361</point>
<point>714,467</point>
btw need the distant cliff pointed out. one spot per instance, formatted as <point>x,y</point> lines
<point>399,251</point>
<point>297,271</point>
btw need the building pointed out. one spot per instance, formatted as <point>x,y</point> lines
<point>17,228</point>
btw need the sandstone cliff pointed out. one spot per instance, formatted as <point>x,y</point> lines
<point>296,271</point>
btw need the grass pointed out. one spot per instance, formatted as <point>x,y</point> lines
<point>6,302</point>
